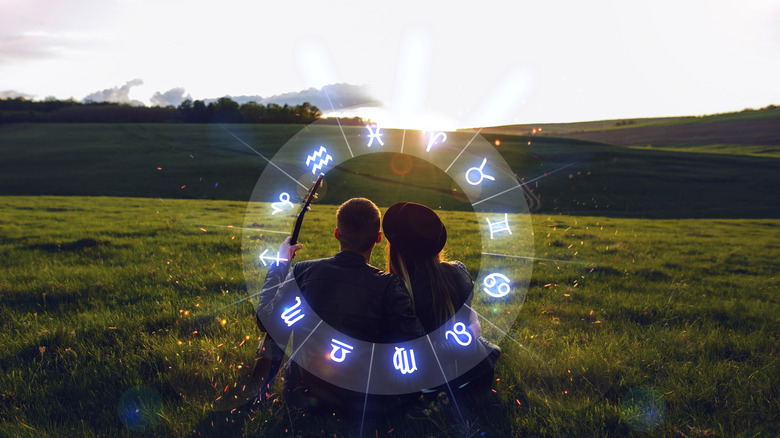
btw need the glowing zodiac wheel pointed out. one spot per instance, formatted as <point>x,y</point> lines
<point>506,255</point>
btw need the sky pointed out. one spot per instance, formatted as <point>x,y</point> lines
<point>431,64</point>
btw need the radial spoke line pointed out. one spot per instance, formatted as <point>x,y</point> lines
<point>549,173</point>
<point>243,228</point>
<point>494,326</point>
<point>302,344</point>
<point>523,184</point>
<point>339,123</point>
<point>532,258</point>
<point>464,149</point>
<point>264,157</point>
<point>403,139</point>
<point>368,380</point>
<point>455,402</point>
<point>252,295</point>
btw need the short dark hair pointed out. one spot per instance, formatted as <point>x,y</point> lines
<point>358,222</point>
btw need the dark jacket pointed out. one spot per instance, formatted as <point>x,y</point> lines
<point>351,296</point>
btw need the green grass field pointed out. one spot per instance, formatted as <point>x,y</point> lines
<point>103,295</point>
<point>652,309</point>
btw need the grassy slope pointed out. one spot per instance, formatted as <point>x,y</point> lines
<point>102,294</point>
<point>204,162</point>
<point>745,133</point>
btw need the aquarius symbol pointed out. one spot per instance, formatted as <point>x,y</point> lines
<point>500,226</point>
<point>481,174</point>
<point>491,281</point>
<point>342,347</point>
<point>432,139</point>
<point>276,259</point>
<point>374,135</point>
<point>323,161</point>
<point>284,199</point>
<point>459,329</point>
<point>401,361</point>
<point>289,315</point>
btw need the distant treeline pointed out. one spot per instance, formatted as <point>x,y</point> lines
<point>223,110</point>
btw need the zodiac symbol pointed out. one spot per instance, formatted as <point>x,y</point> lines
<point>401,361</point>
<point>323,161</point>
<point>276,259</point>
<point>284,199</point>
<point>491,281</point>
<point>432,139</point>
<point>289,315</point>
<point>341,346</point>
<point>481,174</point>
<point>374,135</point>
<point>500,226</point>
<point>459,329</point>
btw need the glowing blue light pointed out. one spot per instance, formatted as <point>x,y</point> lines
<point>459,329</point>
<point>403,361</point>
<point>492,280</point>
<point>140,408</point>
<point>322,161</point>
<point>643,409</point>
<point>482,175</point>
<point>499,226</point>
<point>374,135</point>
<point>276,259</point>
<point>432,139</point>
<point>341,348</point>
<point>293,314</point>
<point>284,200</point>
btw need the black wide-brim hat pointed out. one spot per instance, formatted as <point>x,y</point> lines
<point>415,230</point>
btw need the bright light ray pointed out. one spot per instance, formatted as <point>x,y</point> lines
<point>368,381</point>
<point>463,150</point>
<point>532,258</point>
<point>315,63</point>
<point>338,122</point>
<point>403,139</point>
<point>414,65</point>
<point>445,378</point>
<point>264,157</point>
<point>546,174</point>
<point>503,98</point>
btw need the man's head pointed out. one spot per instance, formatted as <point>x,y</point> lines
<point>357,225</point>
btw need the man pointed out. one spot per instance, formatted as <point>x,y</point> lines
<point>353,297</point>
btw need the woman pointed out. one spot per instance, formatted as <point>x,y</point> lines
<point>438,288</point>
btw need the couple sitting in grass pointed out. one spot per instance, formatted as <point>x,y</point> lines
<point>419,293</point>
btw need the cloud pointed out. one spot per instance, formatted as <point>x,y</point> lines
<point>172,97</point>
<point>116,94</point>
<point>13,94</point>
<point>343,96</point>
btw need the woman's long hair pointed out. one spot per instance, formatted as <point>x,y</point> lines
<point>441,286</point>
